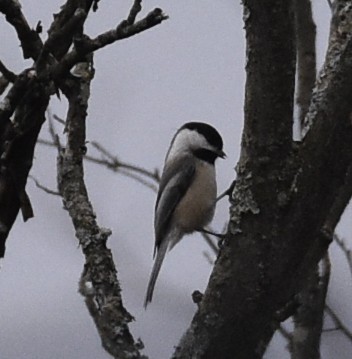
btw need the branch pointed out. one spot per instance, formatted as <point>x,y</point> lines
<point>210,243</point>
<point>64,28</point>
<point>43,188</point>
<point>135,10</point>
<point>115,163</point>
<point>9,75</point>
<point>338,322</point>
<point>309,318</point>
<point>325,153</point>
<point>29,97</point>
<point>347,252</point>
<point>3,84</point>
<point>306,56</point>
<point>241,320</point>
<point>135,172</point>
<point>285,333</point>
<point>340,203</point>
<point>60,40</point>
<point>30,41</point>
<point>103,298</point>
<point>276,196</point>
<point>14,96</point>
<point>84,45</point>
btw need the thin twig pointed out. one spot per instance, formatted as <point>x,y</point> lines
<point>210,242</point>
<point>227,192</point>
<point>139,179</point>
<point>135,9</point>
<point>43,188</point>
<point>4,82</point>
<point>31,43</point>
<point>59,119</point>
<point>9,75</point>
<point>338,322</point>
<point>55,137</point>
<point>285,333</point>
<point>84,45</point>
<point>15,94</point>
<point>208,257</point>
<point>347,252</point>
<point>115,165</point>
<point>99,273</point>
<point>103,151</point>
<point>335,329</point>
<point>306,55</point>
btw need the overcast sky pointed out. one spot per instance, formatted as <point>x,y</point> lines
<point>190,68</point>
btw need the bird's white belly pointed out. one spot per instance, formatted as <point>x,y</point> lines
<point>196,208</point>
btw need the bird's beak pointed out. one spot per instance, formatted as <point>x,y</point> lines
<point>221,154</point>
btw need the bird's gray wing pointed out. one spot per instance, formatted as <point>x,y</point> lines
<point>173,185</point>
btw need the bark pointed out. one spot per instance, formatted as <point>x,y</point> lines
<point>99,284</point>
<point>26,101</point>
<point>306,56</point>
<point>280,203</point>
<point>236,314</point>
<point>29,96</point>
<point>309,318</point>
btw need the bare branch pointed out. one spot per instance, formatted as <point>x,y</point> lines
<point>264,211</point>
<point>306,56</point>
<point>15,94</point>
<point>17,143</point>
<point>208,258</point>
<point>126,169</point>
<point>3,84</point>
<point>9,75</point>
<point>104,297</point>
<point>309,316</point>
<point>30,41</point>
<point>43,188</point>
<point>115,163</point>
<point>139,179</point>
<point>67,23</point>
<point>84,45</point>
<point>227,192</point>
<point>61,36</point>
<point>341,201</point>
<point>338,322</point>
<point>347,252</point>
<point>135,10</point>
<point>210,242</point>
<point>55,137</point>
<point>285,333</point>
<point>59,119</point>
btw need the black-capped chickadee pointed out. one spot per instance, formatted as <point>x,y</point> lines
<point>187,193</point>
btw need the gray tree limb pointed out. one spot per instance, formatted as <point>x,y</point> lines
<point>306,56</point>
<point>26,102</point>
<point>276,234</point>
<point>309,318</point>
<point>99,284</point>
<point>40,81</point>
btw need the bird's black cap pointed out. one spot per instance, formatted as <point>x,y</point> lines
<point>209,132</point>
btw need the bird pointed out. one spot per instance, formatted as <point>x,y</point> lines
<point>186,197</point>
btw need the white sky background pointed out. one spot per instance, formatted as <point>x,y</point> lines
<point>190,68</point>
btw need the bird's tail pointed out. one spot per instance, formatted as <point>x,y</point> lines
<point>155,271</point>
<point>167,243</point>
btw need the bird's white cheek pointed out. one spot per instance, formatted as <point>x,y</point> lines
<point>196,208</point>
